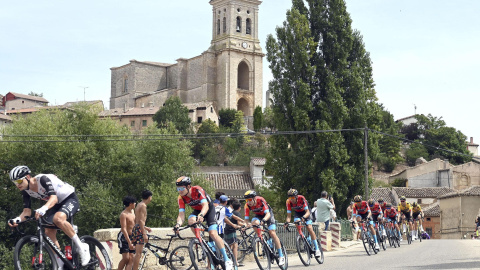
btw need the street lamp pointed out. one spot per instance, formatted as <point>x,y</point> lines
<point>84,87</point>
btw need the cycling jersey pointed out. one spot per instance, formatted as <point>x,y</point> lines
<point>220,213</point>
<point>48,185</point>
<point>404,209</point>
<point>383,205</point>
<point>362,209</point>
<point>376,209</point>
<point>199,196</point>
<point>260,208</point>
<point>417,209</point>
<point>300,206</point>
<point>390,213</point>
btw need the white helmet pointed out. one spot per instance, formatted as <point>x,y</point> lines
<point>19,172</point>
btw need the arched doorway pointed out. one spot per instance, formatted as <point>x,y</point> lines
<point>243,76</point>
<point>242,105</point>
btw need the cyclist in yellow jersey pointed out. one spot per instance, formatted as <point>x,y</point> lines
<point>406,209</point>
<point>416,213</point>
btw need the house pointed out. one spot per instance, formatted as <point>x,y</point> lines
<point>5,120</point>
<point>407,120</point>
<point>423,196</point>
<point>431,222</point>
<point>458,211</point>
<point>472,147</point>
<point>135,118</point>
<point>15,101</point>
<point>257,165</point>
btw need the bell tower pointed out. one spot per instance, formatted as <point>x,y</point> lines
<point>238,54</point>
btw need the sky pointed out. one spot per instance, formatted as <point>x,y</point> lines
<point>424,53</point>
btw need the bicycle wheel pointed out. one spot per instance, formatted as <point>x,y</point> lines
<point>243,249</point>
<point>366,243</point>
<point>229,252</point>
<point>99,258</point>
<point>143,259</point>
<point>389,237</point>
<point>284,251</point>
<point>320,259</point>
<point>383,239</point>
<point>261,253</point>
<point>372,242</point>
<point>303,250</point>
<point>180,259</point>
<point>199,255</point>
<point>26,255</point>
<point>419,235</point>
<point>409,236</point>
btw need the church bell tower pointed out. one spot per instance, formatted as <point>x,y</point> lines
<point>238,54</point>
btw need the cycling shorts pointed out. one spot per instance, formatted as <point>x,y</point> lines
<point>407,216</point>
<point>69,206</point>
<point>299,215</point>
<point>209,217</point>
<point>270,223</point>
<point>375,217</point>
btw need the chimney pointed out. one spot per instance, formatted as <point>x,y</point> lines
<point>471,140</point>
<point>124,107</point>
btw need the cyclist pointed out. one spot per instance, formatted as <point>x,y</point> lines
<point>406,210</point>
<point>377,212</point>
<point>417,213</point>
<point>392,216</point>
<point>61,204</point>
<point>203,209</point>
<point>362,211</point>
<point>263,215</point>
<point>382,203</point>
<point>300,205</point>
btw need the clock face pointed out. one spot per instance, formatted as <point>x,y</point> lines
<point>244,45</point>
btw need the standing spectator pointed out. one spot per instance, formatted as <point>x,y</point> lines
<point>230,233</point>
<point>217,198</point>
<point>314,212</point>
<point>333,214</point>
<point>355,230</point>
<point>323,209</point>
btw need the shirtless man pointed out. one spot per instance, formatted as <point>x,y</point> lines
<point>125,245</point>
<point>139,233</point>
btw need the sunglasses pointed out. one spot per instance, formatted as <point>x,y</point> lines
<point>18,181</point>
<point>291,197</point>
<point>250,200</point>
<point>181,188</point>
<point>402,201</point>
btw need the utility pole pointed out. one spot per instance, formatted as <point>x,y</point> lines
<point>365,150</point>
<point>84,87</point>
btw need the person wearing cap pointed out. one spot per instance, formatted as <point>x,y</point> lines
<point>230,232</point>
<point>216,202</point>
<point>223,215</point>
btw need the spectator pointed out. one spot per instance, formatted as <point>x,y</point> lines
<point>355,230</point>
<point>323,209</point>
<point>217,198</point>
<point>314,212</point>
<point>333,214</point>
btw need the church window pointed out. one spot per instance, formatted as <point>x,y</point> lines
<point>243,76</point>
<point>211,109</point>
<point>248,29</point>
<point>238,9</point>
<point>125,85</point>
<point>239,24</point>
<point>218,27</point>
<point>224,25</point>
<point>199,120</point>
<point>248,11</point>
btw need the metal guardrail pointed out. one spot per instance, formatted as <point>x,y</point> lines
<point>346,226</point>
<point>289,238</point>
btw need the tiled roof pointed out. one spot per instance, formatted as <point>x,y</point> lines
<point>129,112</point>
<point>472,191</point>
<point>5,117</point>
<point>427,192</point>
<point>41,99</point>
<point>384,193</point>
<point>29,110</point>
<point>89,102</point>
<point>234,184</point>
<point>432,210</point>
<point>257,161</point>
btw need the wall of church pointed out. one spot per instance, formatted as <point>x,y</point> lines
<point>150,78</point>
<point>118,97</point>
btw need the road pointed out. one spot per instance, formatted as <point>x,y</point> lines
<point>431,254</point>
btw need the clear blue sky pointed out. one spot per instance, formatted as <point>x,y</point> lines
<point>425,52</point>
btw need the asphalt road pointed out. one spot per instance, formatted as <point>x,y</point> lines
<point>429,254</point>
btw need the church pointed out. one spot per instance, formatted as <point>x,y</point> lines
<point>226,75</point>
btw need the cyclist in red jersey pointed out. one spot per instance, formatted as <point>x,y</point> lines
<point>391,215</point>
<point>263,215</point>
<point>300,205</point>
<point>362,211</point>
<point>203,209</point>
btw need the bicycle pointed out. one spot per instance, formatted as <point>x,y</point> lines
<point>305,246</point>
<point>419,232</point>
<point>380,237</point>
<point>393,235</point>
<point>203,255</point>
<point>408,232</point>
<point>264,251</point>
<point>244,245</point>
<point>367,239</point>
<point>179,258</point>
<point>29,251</point>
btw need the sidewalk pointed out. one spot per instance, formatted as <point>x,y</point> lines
<point>293,258</point>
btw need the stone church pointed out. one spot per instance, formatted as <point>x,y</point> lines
<point>226,75</point>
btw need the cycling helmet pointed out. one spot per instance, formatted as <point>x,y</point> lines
<point>415,204</point>
<point>183,181</point>
<point>403,198</point>
<point>292,192</point>
<point>371,202</point>
<point>19,172</point>
<point>380,200</point>
<point>357,198</point>
<point>250,194</point>
<point>388,205</point>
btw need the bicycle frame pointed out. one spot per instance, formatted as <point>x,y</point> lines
<point>300,226</point>
<point>197,227</point>
<point>162,260</point>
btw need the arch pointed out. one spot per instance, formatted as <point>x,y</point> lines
<point>244,106</point>
<point>243,76</point>
<point>224,25</point>
<point>239,24</point>
<point>218,27</point>
<point>248,28</point>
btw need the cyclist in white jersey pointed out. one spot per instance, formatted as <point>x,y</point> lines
<point>61,204</point>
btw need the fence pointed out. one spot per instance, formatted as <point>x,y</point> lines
<point>346,229</point>
<point>289,238</point>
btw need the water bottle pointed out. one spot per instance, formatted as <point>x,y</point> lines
<point>68,252</point>
<point>212,246</point>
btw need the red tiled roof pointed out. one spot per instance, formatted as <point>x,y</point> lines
<point>35,98</point>
<point>5,117</point>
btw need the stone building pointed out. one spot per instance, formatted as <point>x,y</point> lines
<point>226,75</point>
<point>15,101</point>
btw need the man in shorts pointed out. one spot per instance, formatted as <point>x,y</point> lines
<point>124,237</point>
<point>230,231</point>
<point>139,232</point>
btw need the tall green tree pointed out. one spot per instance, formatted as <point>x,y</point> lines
<point>175,112</point>
<point>227,116</point>
<point>322,80</point>
<point>257,118</point>
<point>389,146</point>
